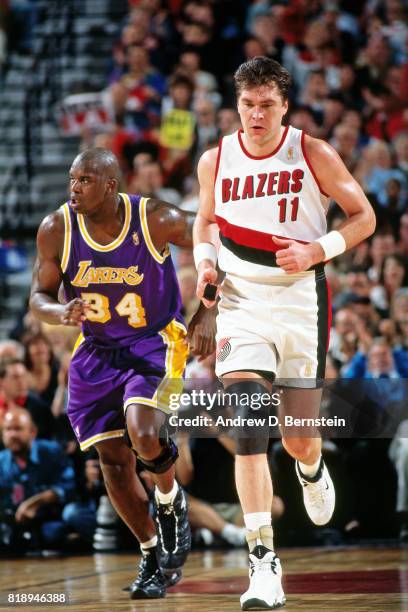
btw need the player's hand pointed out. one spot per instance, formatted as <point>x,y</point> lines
<point>294,257</point>
<point>201,332</point>
<point>75,312</point>
<point>207,274</point>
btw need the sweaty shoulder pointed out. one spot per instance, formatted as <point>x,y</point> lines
<point>50,236</point>
<point>207,165</point>
<point>319,151</point>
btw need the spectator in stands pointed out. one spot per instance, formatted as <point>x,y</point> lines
<point>206,129</point>
<point>381,361</point>
<point>253,47</point>
<point>14,391</point>
<point>399,313</point>
<point>41,365</point>
<point>37,485</point>
<point>400,144</point>
<point>315,92</point>
<point>303,118</point>
<point>345,336</point>
<point>393,276</point>
<point>137,95</point>
<point>177,129</point>
<point>148,181</point>
<point>402,246</point>
<point>398,453</point>
<point>205,83</point>
<point>227,121</point>
<point>264,28</point>
<point>11,349</point>
<point>345,141</point>
<point>382,245</point>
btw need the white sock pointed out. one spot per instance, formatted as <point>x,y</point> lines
<point>310,470</point>
<point>144,546</point>
<point>255,520</point>
<point>167,498</point>
<point>233,534</point>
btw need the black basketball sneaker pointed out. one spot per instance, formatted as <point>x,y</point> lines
<point>150,582</point>
<point>173,531</point>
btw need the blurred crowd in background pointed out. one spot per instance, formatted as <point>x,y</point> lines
<point>169,96</point>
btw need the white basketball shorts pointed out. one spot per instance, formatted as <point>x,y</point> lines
<point>281,327</point>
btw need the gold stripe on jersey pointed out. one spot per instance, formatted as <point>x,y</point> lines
<point>77,344</point>
<point>146,234</point>
<point>67,238</point>
<point>118,241</point>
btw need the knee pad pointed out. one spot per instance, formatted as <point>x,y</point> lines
<point>247,404</point>
<point>162,462</point>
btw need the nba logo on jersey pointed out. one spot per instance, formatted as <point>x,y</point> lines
<point>291,154</point>
<point>135,238</point>
<point>223,349</point>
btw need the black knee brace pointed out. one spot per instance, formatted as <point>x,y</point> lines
<point>250,440</point>
<point>162,462</point>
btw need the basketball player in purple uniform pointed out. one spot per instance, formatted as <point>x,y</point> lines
<point>110,252</point>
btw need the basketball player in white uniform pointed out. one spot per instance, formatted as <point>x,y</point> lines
<point>266,189</point>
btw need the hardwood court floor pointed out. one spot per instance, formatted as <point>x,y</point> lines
<point>315,579</point>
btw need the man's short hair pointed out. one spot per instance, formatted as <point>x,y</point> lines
<point>261,71</point>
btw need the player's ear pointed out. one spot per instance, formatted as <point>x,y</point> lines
<point>112,183</point>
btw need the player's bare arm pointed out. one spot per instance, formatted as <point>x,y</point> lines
<point>170,224</point>
<point>47,277</point>
<point>337,182</point>
<point>205,226</point>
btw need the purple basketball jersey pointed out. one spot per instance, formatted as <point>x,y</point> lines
<point>131,287</point>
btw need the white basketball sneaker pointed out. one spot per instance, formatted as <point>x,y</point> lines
<point>265,588</point>
<point>318,494</point>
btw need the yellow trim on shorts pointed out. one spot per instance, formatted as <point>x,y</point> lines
<point>172,382</point>
<point>78,342</point>
<point>107,435</point>
<point>176,356</point>
<point>67,237</point>
<point>118,241</point>
<point>146,234</point>
<point>140,400</point>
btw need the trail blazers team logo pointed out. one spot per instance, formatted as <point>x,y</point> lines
<point>223,349</point>
<point>135,238</point>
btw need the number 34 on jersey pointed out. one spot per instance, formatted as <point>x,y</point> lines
<point>129,306</point>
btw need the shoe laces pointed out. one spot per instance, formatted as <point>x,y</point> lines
<point>316,490</point>
<point>147,568</point>
<point>167,525</point>
<point>264,565</point>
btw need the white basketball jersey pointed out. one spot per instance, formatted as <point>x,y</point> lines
<point>260,197</point>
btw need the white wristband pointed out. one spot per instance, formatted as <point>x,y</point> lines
<point>204,250</point>
<point>333,244</point>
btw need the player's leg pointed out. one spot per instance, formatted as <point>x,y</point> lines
<point>304,444</point>
<point>124,488</point>
<point>130,500</point>
<point>157,453</point>
<point>254,487</point>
